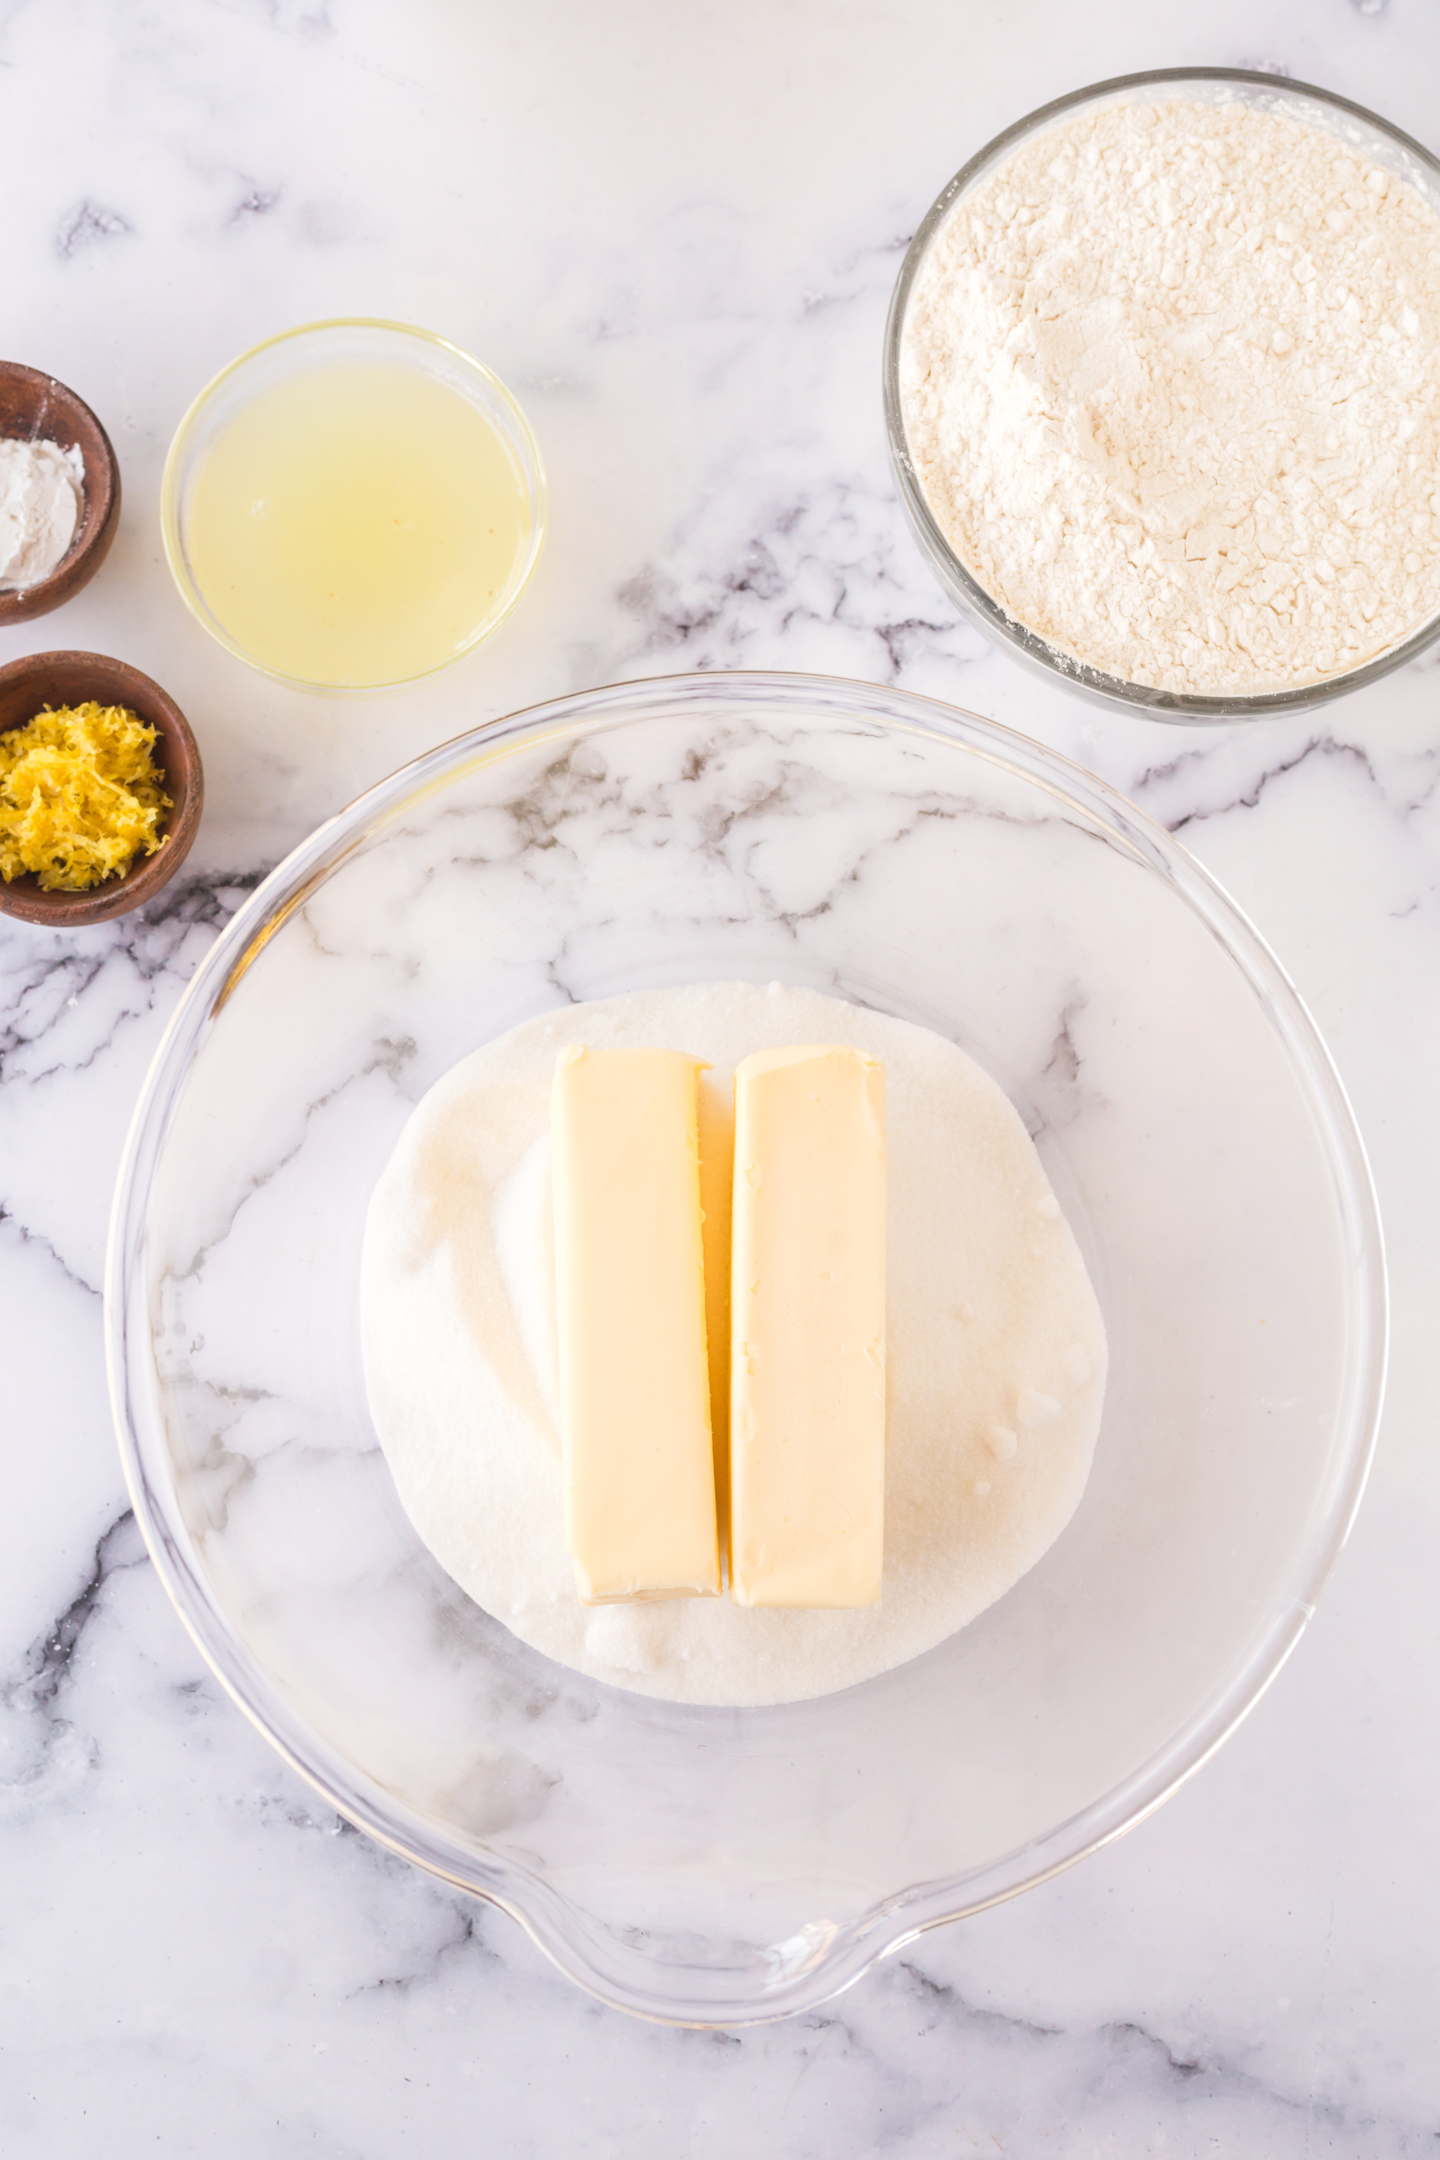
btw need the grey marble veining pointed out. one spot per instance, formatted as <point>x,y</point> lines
<point>675,237</point>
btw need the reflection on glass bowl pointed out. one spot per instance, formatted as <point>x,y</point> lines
<point>717,1866</point>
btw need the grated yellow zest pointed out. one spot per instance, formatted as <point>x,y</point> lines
<point>80,796</point>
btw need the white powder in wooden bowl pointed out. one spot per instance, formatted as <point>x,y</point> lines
<point>1170,379</point>
<point>996,1358</point>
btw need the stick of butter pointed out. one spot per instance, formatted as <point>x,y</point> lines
<point>807,1329</point>
<point>630,1304</point>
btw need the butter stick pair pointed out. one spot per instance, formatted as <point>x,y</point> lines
<point>807,1348</point>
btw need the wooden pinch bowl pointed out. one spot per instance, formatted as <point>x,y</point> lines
<point>36,408</point>
<point>57,679</point>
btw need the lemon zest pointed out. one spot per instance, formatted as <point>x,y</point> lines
<point>80,796</point>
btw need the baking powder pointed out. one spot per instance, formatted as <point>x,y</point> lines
<point>40,501</point>
<point>1171,383</point>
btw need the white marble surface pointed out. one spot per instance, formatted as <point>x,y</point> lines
<point>673,232</point>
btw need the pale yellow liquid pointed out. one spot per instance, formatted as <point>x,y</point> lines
<point>358,524</point>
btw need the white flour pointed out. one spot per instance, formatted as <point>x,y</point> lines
<point>995,1367</point>
<point>1171,382</point>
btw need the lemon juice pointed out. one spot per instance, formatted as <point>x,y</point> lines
<point>357,524</point>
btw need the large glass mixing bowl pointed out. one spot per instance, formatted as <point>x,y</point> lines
<point>710,1865</point>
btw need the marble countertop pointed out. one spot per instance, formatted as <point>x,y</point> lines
<point>674,234</point>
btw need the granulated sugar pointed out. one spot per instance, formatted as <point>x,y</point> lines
<point>995,1367</point>
<point>1171,382</point>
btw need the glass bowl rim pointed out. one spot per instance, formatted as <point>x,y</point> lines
<point>176,457</point>
<point>963,587</point>
<point>584,1951</point>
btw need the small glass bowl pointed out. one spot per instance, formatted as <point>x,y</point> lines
<point>1364,131</point>
<point>322,344</point>
<point>717,1866</point>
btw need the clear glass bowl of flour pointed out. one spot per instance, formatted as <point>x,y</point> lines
<point>717,1865</point>
<point>1359,130</point>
